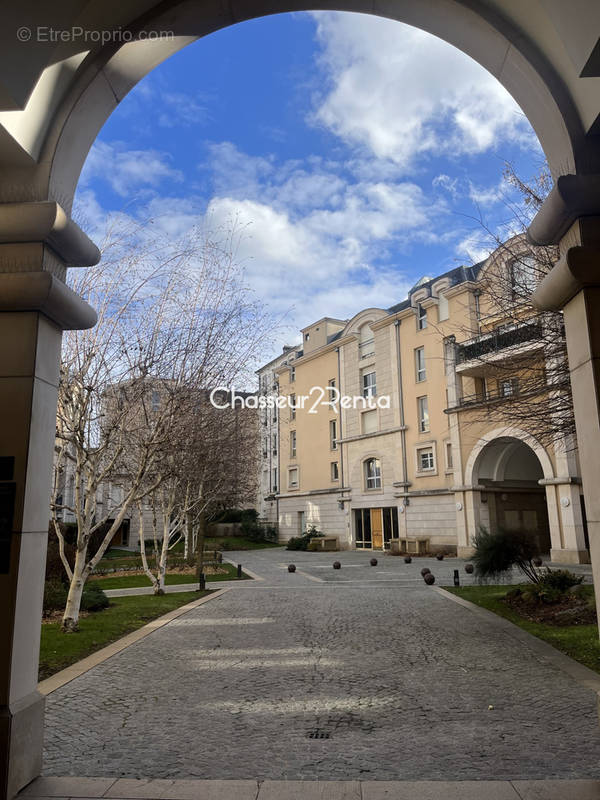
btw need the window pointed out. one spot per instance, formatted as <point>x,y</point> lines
<point>420,364</point>
<point>333,434</point>
<point>292,374</point>
<point>507,387</point>
<point>423,411</point>
<point>274,444</point>
<point>443,310</point>
<point>301,522</point>
<point>369,384</point>
<point>366,344</point>
<point>425,459</point>
<point>368,421</point>
<point>292,406</point>
<point>421,317</point>
<point>306,337</point>
<point>293,444</point>
<point>335,473</point>
<point>523,276</point>
<point>275,479</point>
<point>449,459</point>
<point>293,478</point>
<point>331,383</point>
<point>372,474</point>
<point>155,400</point>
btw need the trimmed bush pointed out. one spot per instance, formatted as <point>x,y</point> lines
<point>55,596</point>
<point>302,542</point>
<point>93,598</point>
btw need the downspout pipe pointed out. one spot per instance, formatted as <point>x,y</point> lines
<point>401,408</point>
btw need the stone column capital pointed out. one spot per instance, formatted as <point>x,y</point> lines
<point>48,224</point>
<point>575,270</point>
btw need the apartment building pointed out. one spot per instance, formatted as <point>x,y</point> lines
<point>413,451</point>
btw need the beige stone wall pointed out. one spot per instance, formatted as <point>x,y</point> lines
<point>320,510</point>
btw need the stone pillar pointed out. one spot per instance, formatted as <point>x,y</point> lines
<point>571,216</point>
<point>36,243</point>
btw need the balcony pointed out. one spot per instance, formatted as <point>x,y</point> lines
<point>506,391</point>
<point>503,343</point>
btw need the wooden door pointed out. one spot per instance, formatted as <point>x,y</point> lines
<point>377,528</point>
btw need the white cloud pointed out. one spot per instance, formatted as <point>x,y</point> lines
<point>127,171</point>
<point>402,93</point>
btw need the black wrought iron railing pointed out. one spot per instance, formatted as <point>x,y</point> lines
<point>500,339</point>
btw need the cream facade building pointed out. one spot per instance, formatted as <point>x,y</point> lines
<point>405,457</point>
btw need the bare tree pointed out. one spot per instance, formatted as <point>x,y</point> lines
<point>212,465</point>
<point>529,386</point>
<point>172,317</point>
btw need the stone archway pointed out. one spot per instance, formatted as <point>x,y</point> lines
<point>513,483</point>
<point>53,102</point>
<point>508,472</point>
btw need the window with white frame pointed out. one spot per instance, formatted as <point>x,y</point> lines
<point>425,459</point>
<point>368,421</point>
<point>275,479</point>
<point>274,444</point>
<point>366,343</point>
<point>507,387</point>
<point>421,373</point>
<point>292,374</point>
<point>369,384</point>
<point>421,317</point>
<point>155,400</point>
<point>293,478</point>
<point>292,444</point>
<point>333,434</point>
<point>335,472</point>
<point>423,413</point>
<point>292,406</point>
<point>443,308</point>
<point>449,458</point>
<point>523,275</point>
<point>372,473</point>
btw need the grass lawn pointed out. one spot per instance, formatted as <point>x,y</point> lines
<point>236,543</point>
<point>125,614</point>
<point>580,642</point>
<point>133,581</point>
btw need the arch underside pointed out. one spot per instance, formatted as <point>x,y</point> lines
<point>44,146</point>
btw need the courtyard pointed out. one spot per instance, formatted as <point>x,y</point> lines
<point>363,673</point>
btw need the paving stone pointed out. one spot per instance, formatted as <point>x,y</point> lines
<point>398,677</point>
<point>439,790</point>
<point>309,790</point>
<point>183,790</point>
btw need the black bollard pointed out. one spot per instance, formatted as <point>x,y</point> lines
<point>456,578</point>
<point>239,574</point>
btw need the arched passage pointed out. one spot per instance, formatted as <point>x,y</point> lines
<point>54,100</point>
<point>508,471</point>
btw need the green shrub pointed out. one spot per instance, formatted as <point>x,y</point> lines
<point>498,552</point>
<point>554,584</point>
<point>302,542</point>
<point>93,598</point>
<point>55,596</point>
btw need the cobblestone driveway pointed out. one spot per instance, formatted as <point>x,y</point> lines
<point>398,677</point>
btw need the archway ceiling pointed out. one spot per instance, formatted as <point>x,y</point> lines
<point>558,41</point>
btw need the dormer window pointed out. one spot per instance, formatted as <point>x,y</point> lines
<point>366,344</point>
<point>421,317</point>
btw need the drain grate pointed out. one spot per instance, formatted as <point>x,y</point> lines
<point>318,734</point>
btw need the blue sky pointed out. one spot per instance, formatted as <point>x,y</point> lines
<point>354,153</point>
